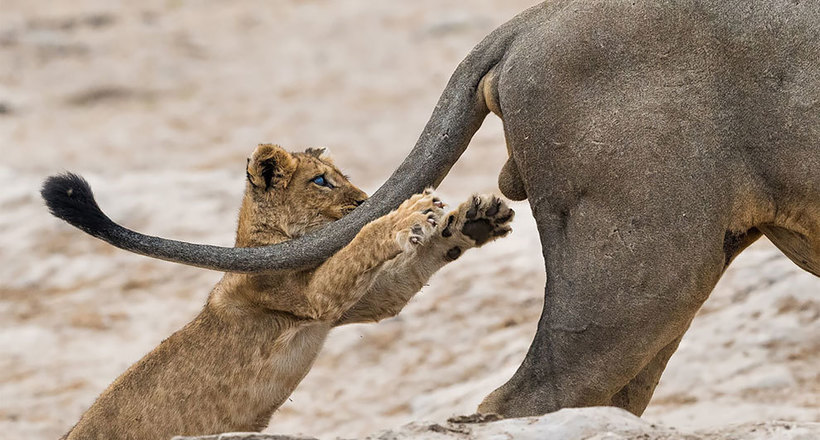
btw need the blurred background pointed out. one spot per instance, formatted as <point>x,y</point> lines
<point>158,103</point>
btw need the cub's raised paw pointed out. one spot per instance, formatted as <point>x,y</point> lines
<point>482,219</point>
<point>417,219</point>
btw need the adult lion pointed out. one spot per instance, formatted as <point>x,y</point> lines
<point>654,140</point>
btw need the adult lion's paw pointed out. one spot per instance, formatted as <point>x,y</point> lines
<point>482,219</point>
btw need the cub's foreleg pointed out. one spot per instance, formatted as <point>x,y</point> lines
<point>474,223</point>
<point>343,279</point>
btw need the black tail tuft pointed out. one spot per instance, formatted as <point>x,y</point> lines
<point>69,197</point>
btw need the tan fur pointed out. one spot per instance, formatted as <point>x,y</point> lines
<point>232,366</point>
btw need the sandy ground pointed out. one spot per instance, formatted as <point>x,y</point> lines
<point>158,103</point>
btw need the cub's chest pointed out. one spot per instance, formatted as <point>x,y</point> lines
<point>286,359</point>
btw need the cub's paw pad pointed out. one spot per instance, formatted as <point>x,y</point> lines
<point>485,218</point>
<point>453,253</point>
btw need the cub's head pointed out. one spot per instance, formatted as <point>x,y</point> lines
<point>290,194</point>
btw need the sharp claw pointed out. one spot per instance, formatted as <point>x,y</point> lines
<point>473,211</point>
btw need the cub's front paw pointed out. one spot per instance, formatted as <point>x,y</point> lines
<point>417,219</point>
<point>482,219</point>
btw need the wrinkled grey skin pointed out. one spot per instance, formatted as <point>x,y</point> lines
<point>655,140</point>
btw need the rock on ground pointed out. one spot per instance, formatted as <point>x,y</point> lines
<point>601,423</point>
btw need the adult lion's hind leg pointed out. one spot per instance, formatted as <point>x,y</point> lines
<point>622,287</point>
<point>635,396</point>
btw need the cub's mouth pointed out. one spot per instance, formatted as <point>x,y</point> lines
<point>336,213</point>
<point>348,209</point>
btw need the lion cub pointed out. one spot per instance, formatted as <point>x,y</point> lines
<point>232,366</point>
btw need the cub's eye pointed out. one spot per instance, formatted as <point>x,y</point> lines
<point>321,181</point>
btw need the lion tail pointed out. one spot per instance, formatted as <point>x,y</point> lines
<point>69,197</point>
<point>460,111</point>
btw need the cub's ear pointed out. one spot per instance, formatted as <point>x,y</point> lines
<point>270,166</point>
<point>318,152</point>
